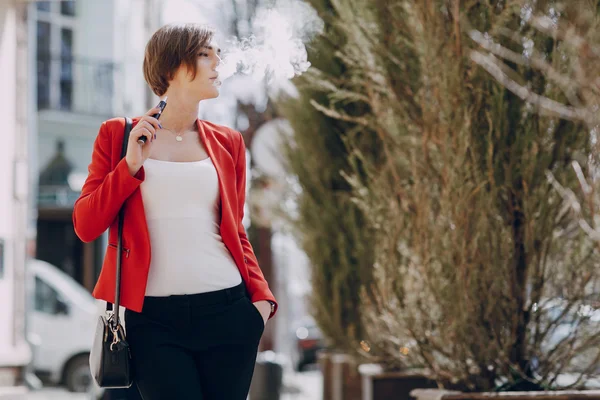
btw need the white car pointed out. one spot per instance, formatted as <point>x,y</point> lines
<point>62,317</point>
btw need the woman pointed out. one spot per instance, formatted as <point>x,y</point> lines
<point>196,300</point>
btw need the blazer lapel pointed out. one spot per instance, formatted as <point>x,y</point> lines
<point>218,154</point>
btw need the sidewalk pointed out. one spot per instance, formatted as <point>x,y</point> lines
<point>297,386</point>
<point>303,386</point>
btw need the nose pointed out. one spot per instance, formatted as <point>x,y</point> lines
<point>219,59</point>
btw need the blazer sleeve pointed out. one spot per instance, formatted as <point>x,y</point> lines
<point>104,191</point>
<point>258,287</point>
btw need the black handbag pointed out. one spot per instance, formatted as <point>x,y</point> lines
<point>110,357</point>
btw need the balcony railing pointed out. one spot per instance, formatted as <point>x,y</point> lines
<point>56,196</point>
<point>77,85</point>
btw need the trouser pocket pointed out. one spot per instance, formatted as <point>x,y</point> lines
<point>256,315</point>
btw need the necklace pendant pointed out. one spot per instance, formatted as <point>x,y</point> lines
<point>179,138</point>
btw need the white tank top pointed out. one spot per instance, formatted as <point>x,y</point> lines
<point>181,202</point>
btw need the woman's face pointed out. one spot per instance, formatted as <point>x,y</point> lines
<point>206,83</point>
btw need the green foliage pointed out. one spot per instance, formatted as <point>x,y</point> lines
<point>331,228</point>
<point>475,261</point>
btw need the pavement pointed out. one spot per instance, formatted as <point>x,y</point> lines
<point>297,386</point>
<point>306,385</point>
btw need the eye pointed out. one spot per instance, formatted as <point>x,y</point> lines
<point>203,55</point>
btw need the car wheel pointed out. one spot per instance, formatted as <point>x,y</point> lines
<point>78,377</point>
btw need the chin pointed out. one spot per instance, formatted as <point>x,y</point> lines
<point>210,92</point>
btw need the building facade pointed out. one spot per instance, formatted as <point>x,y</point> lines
<point>87,59</point>
<point>15,353</point>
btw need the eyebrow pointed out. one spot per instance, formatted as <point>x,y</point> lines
<point>210,48</point>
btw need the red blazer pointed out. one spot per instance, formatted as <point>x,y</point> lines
<point>110,185</point>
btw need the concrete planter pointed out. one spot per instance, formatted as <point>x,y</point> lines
<point>380,385</point>
<point>341,380</point>
<point>437,394</point>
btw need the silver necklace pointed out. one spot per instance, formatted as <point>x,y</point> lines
<point>178,136</point>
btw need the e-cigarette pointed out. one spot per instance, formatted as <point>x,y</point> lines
<point>161,105</point>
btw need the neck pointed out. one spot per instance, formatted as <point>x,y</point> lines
<point>180,114</point>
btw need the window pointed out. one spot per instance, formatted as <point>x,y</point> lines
<point>55,48</point>
<point>66,68</point>
<point>44,5</point>
<point>46,298</point>
<point>67,8</point>
<point>43,64</point>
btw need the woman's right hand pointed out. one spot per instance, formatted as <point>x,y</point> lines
<point>137,153</point>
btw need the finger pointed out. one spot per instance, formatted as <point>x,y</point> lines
<point>142,132</point>
<point>149,125</point>
<point>141,126</point>
<point>149,136</point>
<point>152,111</point>
<point>153,121</point>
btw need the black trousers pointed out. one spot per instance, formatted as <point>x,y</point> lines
<point>201,346</point>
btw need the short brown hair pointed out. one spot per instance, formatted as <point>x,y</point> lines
<point>170,47</point>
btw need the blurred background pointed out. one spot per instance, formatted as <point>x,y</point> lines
<point>422,189</point>
<point>67,67</point>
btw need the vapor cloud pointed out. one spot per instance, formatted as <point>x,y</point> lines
<point>276,50</point>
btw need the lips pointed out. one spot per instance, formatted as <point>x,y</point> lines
<point>216,81</point>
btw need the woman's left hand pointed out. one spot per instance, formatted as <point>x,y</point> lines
<point>264,308</point>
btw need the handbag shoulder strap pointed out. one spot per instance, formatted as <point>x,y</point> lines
<point>127,131</point>
<point>109,306</point>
